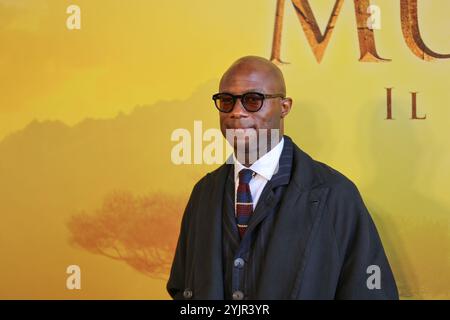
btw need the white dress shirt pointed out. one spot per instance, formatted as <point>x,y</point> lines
<point>264,168</point>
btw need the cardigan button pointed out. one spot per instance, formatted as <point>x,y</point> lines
<point>239,263</point>
<point>238,295</point>
<point>187,294</point>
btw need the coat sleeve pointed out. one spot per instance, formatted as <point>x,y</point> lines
<point>177,279</point>
<point>365,271</point>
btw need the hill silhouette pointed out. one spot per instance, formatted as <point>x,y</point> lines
<point>50,172</point>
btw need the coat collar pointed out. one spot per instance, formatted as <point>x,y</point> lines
<point>294,164</point>
<point>302,172</point>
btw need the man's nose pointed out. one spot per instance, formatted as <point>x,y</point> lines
<point>239,110</point>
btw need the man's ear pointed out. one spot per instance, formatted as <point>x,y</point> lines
<point>286,105</point>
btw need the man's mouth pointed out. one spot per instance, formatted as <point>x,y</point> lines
<point>243,132</point>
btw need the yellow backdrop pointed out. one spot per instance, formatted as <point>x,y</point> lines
<point>86,118</point>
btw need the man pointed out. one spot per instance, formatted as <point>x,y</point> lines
<point>281,227</point>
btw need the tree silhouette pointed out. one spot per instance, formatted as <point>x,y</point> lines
<point>142,231</point>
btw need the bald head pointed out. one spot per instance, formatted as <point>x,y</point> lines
<point>256,69</point>
<point>247,75</point>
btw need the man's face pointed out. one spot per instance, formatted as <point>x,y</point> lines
<point>243,80</point>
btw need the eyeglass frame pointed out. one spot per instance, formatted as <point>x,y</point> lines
<point>240,96</point>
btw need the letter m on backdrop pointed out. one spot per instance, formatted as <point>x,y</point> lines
<point>318,41</point>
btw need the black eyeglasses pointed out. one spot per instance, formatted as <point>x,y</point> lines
<point>252,101</point>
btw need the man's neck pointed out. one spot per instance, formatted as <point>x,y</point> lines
<point>259,153</point>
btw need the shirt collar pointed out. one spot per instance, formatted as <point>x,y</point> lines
<point>264,166</point>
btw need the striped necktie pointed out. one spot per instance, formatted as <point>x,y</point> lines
<point>244,202</point>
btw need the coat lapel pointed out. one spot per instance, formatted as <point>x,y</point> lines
<point>229,217</point>
<point>268,199</point>
<point>296,221</point>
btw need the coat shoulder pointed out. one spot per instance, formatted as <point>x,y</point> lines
<point>335,179</point>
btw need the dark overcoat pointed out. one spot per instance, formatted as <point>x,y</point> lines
<point>320,242</point>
